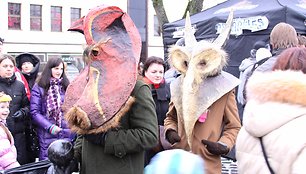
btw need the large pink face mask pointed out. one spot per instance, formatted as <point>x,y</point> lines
<point>100,95</point>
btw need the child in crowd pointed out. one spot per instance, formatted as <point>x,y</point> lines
<point>8,153</point>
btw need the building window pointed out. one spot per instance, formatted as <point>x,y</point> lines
<point>35,18</point>
<point>156,26</point>
<point>75,14</point>
<point>14,16</point>
<point>56,18</point>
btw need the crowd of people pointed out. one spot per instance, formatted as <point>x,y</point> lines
<point>182,125</point>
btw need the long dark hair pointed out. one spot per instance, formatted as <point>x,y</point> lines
<point>44,80</point>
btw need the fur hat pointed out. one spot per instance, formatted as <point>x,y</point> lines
<point>175,161</point>
<point>26,58</point>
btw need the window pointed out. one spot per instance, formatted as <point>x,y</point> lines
<point>35,18</point>
<point>75,14</point>
<point>14,16</point>
<point>156,26</point>
<point>56,18</point>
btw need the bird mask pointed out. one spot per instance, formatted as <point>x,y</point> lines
<point>196,61</point>
<point>100,95</point>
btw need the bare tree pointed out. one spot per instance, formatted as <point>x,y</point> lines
<point>194,6</point>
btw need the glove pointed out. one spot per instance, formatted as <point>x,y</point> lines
<point>72,167</point>
<point>215,148</point>
<point>98,139</point>
<point>19,115</point>
<point>172,136</point>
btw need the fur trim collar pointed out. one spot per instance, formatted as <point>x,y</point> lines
<point>210,90</point>
<point>277,86</point>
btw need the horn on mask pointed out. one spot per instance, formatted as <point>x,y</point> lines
<point>221,39</point>
<point>190,40</point>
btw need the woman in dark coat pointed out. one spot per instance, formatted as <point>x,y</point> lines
<point>28,64</point>
<point>46,99</point>
<point>19,106</point>
<point>153,72</point>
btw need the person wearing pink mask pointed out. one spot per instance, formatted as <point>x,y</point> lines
<point>47,96</point>
<point>153,75</point>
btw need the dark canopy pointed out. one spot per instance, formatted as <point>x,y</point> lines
<point>253,18</point>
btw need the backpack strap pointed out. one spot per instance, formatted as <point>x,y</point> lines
<point>256,65</point>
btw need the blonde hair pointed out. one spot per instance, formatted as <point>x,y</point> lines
<point>4,97</point>
<point>283,36</point>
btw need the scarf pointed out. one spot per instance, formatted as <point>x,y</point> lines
<point>154,85</point>
<point>54,101</point>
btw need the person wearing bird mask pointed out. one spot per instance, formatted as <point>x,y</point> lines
<point>203,116</point>
<point>113,112</point>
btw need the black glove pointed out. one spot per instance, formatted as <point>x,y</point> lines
<point>72,167</point>
<point>215,148</point>
<point>19,115</point>
<point>98,139</point>
<point>172,136</point>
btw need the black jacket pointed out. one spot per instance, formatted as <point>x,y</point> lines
<point>161,98</point>
<point>20,101</point>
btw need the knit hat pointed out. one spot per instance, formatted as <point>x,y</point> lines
<point>262,53</point>
<point>175,161</point>
<point>4,97</point>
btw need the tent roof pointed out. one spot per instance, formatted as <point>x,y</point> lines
<point>292,12</point>
<point>253,21</point>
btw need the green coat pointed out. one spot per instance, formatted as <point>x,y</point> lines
<point>124,148</point>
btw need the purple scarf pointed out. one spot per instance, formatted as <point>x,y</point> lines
<point>54,101</point>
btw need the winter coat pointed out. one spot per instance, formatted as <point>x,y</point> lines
<point>161,97</point>
<point>20,101</point>
<point>43,122</point>
<point>268,64</point>
<point>222,122</point>
<point>31,77</point>
<point>276,111</point>
<point>8,152</point>
<point>245,72</point>
<point>124,148</point>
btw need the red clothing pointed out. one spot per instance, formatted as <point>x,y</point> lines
<point>22,79</point>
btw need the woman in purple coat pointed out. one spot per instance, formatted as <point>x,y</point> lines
<point>47,97</point>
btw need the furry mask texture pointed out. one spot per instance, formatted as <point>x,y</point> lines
<point>196,61</point>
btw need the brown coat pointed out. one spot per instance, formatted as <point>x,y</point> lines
<point>223,115</point>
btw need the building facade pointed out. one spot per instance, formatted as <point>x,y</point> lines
<point>40,27</point>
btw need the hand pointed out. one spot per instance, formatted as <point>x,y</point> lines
<point>19,115</point>
<point>98,139</point>
<point>172,136</point>
<point>215,148</point>
<point>72,167</point>
<point>54,130</point>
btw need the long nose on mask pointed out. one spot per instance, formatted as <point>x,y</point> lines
<point>84,112</point>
